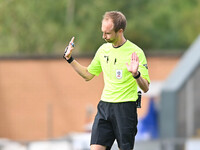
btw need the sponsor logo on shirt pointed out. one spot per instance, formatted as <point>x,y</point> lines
<point>118,74</point>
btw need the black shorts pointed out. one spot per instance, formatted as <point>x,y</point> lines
<point>115,121</point>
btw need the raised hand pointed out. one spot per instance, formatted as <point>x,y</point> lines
<point>134,64</point>
<point>69,49</point>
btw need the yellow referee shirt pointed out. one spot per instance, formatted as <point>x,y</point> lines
<point>119,84</point>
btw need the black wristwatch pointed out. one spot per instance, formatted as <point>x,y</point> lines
<point>69,60</point>
<point>136,77</point>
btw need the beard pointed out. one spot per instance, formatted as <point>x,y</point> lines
<point>113,39</point>
<point>110,40</point>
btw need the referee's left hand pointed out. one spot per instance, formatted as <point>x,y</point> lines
<point>134,64</point>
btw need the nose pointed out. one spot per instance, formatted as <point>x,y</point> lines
<point>104,36</point>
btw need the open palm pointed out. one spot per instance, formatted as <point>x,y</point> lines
<point>134,64</point>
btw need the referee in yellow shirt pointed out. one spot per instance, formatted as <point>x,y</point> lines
<point>124,68</point>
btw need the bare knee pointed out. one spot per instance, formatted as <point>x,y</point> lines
<point>97,147</point>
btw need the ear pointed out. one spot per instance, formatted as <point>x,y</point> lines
<point>121,31</point>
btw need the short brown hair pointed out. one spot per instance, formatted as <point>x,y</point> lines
<point>119,20</point>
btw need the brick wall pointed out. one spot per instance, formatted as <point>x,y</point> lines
<point>42,99</point>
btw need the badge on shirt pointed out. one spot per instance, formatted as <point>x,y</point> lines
<point>145,65</point>
<point>118,74</point>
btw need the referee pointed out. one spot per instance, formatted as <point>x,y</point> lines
<point>124,68</point>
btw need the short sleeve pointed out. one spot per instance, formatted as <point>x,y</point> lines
<point>95,66</point>
<point>143,67</point>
